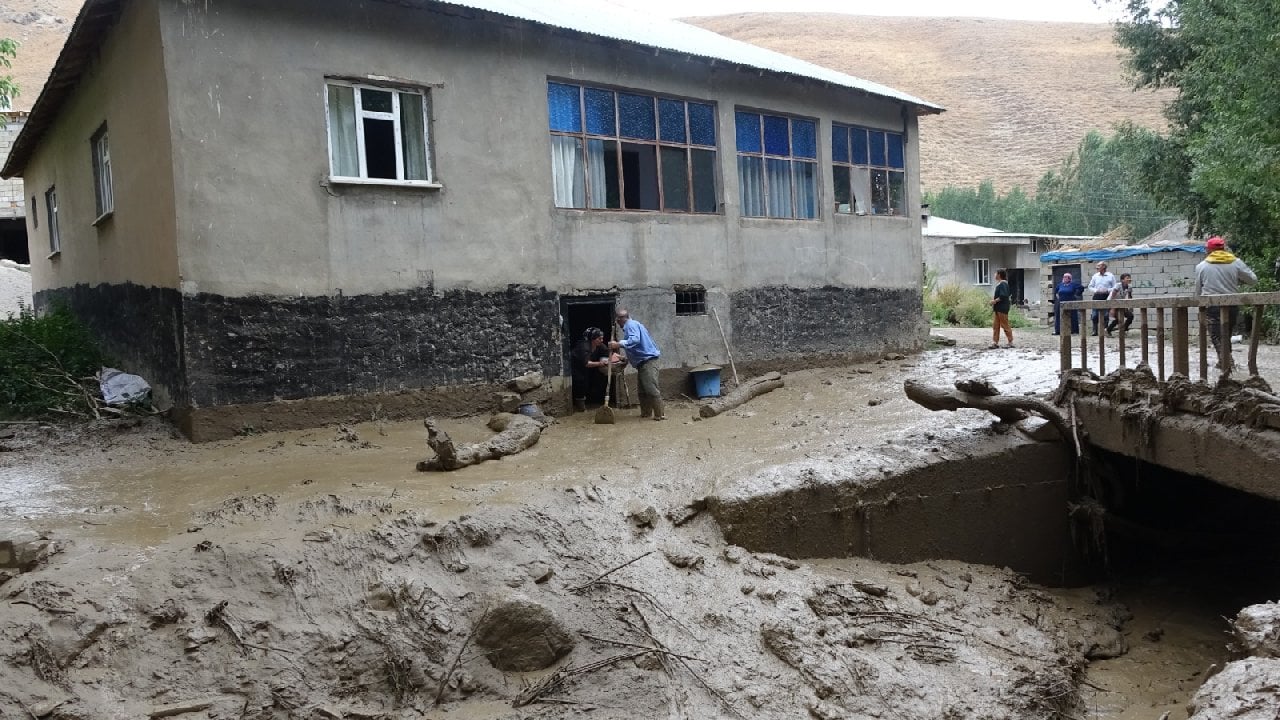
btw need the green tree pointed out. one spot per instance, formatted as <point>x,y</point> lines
<point>1219,166</point>
<point>8,88</point>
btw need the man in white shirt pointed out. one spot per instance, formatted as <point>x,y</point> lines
<point>1100,286</point>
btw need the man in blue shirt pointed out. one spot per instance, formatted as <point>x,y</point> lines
<point>642,352</point>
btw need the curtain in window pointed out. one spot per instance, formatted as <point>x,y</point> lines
<point>596,167</point>
<point>806,190</point>
<point>751,183</point>
<point>344,160</point>
<point>413,136</point>
<point>779,174</point>
<point>862,190</point>
<point>567,172</point>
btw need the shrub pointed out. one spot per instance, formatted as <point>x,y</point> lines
<point>47,365</point>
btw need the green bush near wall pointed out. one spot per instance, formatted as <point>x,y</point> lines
<point>960,306</point>
<point>47,366</point>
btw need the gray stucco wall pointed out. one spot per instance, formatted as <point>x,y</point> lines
<point>261,218</point>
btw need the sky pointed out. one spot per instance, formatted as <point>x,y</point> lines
<point>1054,10</point>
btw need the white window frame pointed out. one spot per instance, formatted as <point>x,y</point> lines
<point>981,271</point>
<point>104,194</point>
<point>394,117</point>
<point>51,220</point>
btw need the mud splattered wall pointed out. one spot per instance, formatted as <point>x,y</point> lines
<point>259,349</point>
<point>774,322</point>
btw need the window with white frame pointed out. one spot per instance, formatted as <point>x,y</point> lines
<point>378,134</point>
<point>102,172</point>
<point>869,171</point>
<point>777,165</point>
<point>981,271</point>
<point>51,219</point>
<point>625,150</point>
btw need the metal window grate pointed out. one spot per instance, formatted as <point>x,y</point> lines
<point>691,300</point>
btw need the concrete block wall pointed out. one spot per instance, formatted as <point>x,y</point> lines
<point>1154,275</point>
<point>12,202</point>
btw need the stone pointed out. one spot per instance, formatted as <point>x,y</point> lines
<point>642,516</point>
<point>683,560</point>
<point>540,572</point>
<point>23,551</point>
<point>526,382</point>
<point>521,635</point>
<point>681,515</point>
<point>941,340</point>
<point>508,402</point>
<point>1038,429</point>
<point>1257,630</point>
<point>1101,642</point>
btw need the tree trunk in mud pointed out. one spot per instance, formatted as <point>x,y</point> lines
<point>516,433</point>
<point>1008,408</point>
<point>748,390</point>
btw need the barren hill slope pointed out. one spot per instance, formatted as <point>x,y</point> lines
<point>1019,95</point>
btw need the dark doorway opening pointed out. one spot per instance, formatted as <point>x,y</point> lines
<point>577,313</point>
<point>1017,287</point>
<point>13,241</point>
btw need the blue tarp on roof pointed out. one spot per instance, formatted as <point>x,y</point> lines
<point>1112,253</point>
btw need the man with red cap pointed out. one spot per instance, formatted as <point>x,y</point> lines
<point>1221,273</point>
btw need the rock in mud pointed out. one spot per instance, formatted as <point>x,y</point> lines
<point>521,635</point>
<point>683,560</point>
<point>526,382</point>
<point>1101,642</point>
<point>1257,630</point>
<point>1244,690</point>
<point>642,516</point>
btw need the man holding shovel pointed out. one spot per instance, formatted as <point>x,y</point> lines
<point>642,352</point>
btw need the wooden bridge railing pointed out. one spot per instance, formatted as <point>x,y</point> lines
<point>1179,305</point>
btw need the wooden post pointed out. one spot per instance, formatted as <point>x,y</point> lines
<point>1064,345</point>
<point>1255,334</point>
<point>1224,342</point>
<point>1102,346</point>
<point>1120,344</point>
<point>1204,350</point>
<point>1146,338</point>
<point>1084,345</point>
<point>1181,342</point>
<point>1160,341</point>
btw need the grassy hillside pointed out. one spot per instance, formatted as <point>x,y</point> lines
<point>1020,95</point>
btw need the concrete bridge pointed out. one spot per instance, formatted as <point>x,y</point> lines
<point>1225,428</point>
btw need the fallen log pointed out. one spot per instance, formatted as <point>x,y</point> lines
<point>749,389</point>
<point>516,433</point>
<point>1009,408</point>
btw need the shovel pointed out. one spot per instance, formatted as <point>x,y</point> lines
<point>604,416</point>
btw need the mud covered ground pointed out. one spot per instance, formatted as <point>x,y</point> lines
<point>317,574</point>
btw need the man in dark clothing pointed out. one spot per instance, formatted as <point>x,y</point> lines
<point>589,356</point>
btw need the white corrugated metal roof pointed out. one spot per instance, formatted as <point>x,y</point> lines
<point>942,227</point>
<point>610,21</point>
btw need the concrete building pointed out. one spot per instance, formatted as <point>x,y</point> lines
<point>320,199</point>
<point>13,205</point>
<point>1163,263</point>
<point>964,254</point>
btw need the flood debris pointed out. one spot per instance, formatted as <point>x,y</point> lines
<point>748,390</point>
<point>515,433</point>
<point>980,394</point>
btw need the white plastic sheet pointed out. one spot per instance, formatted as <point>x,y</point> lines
<point>121,388</point>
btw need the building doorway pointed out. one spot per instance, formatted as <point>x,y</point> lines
<point>577,313</point>
<point>1017,287</point>
<point>13,241</point>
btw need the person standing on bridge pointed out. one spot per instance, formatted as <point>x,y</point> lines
<point>1101,285</point>
<point>1221,273</point>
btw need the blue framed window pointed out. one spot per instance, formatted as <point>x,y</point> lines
<point>777,165</point>
<point>626,150</point>
<point>869,168</point>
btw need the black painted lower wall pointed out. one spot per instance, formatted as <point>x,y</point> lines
<point>141,327</point>
<point>772,322</point>
<point>257,349</point>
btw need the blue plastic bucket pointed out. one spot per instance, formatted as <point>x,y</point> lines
<point>706,382</point>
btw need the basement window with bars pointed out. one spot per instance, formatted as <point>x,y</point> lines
<point>625,150</point>
<point>869,171</point>
<point>691,300</point>
<point>378,135</point>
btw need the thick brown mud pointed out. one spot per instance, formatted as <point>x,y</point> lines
<point>352,580</point>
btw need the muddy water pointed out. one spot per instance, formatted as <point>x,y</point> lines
<point>137,490</point>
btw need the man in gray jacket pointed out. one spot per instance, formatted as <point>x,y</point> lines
<point>1221,273</point>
